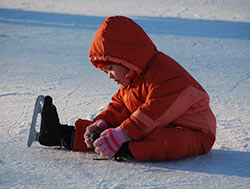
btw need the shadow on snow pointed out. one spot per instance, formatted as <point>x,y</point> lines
<point>152,25</point>
<point>220,162</point>
<point>216,162</point>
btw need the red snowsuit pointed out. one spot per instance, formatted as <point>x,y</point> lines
<point>164,109</point>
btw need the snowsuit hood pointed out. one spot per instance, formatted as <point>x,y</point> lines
<point>120,40</point>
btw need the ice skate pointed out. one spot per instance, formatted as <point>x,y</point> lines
<point>33,134</point>
<point>51,133</point>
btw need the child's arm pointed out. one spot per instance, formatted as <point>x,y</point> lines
<point>169,97</point>
<point>115,112</point>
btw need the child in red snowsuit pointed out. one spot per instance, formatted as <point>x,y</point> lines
<point>160,110</point>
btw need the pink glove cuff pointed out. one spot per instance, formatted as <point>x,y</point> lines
<point>110,141</point>
<point>100,123</point>
<point>115,141</point>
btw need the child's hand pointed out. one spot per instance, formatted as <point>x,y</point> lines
<point>110,141</point>
<point>97,127</point>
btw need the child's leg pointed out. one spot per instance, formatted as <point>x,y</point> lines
<point>79,144</point>
<point>171,143</point>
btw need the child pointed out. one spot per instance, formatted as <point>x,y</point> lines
<point>160,111</point>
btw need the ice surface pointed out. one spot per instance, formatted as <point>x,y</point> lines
<point>44,51</point>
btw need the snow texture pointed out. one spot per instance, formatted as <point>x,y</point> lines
<point>44,50</point>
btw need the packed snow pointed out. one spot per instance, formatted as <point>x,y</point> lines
<point>44,50</point>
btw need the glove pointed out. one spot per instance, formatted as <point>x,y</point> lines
<point>97,127</point>
<point>110,141</point>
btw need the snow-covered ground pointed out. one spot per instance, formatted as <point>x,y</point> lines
<point>44,50</point>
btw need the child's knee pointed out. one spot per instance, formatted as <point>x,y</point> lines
<point>79,144</point>
<point>82,123</point>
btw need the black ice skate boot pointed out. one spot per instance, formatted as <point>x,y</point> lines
<point>52,133</point>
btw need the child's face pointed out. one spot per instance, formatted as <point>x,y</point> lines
<point>117,73</point>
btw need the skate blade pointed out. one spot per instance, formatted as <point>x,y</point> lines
<point>33,134</point>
